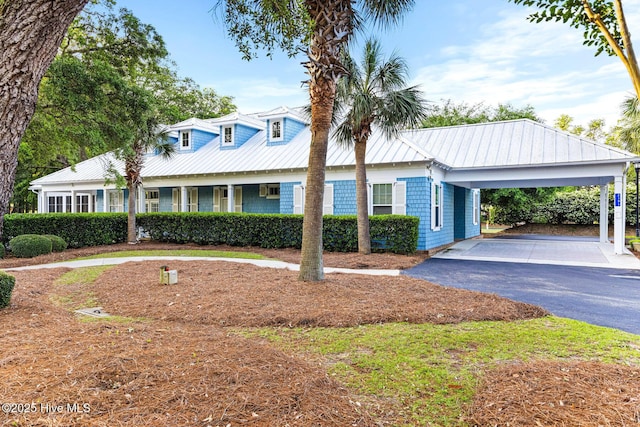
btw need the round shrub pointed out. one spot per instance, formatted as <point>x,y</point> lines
<point>57,243</point>
<point>6,288</point>
<point>30,245</point>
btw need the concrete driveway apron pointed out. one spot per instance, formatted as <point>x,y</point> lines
<point>578,278</point>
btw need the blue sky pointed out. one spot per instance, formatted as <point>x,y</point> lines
<point>455,49</point>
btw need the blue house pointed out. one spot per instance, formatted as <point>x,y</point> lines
<point>257,163</point>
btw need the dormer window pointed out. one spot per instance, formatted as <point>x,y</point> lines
<point>227,135</point>
<point>185,140</point>
<point>276,130</point>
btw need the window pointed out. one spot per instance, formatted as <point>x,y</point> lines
<point>299,199</point>
<point>221,199</point>
<point>436,206</point>
<point>116,201</point>
<point>82,203</point>
<point>192,200</point>
<point>382,199</point>
<point>227,135</point>
<point>185,140</point>
<point>273,191</point>
<point>56,204</point>
<point>152,200</point>
<point>276,130</point>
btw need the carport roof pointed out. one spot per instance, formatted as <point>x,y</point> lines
<point>508,144</point>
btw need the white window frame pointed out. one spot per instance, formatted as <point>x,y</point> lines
<point>279,124</point>
<point>115,200</point>
<point>476,207</point>
<point>80,204</point>
<point>437,206</point>
<point>221,198</point>
<point>192,199</point>
<point>223,135</point>
<point>152,200</point>
<point>185,137</point>
<point>273,191</point>
<point>381,205</point>
<point>398,197</point>
<point>60,201</point>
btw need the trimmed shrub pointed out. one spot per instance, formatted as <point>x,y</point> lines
<point>57,243</point>
<point>6,288</point>
<point>390,233</point>
<point>30,245</point>
<point>77,229</point>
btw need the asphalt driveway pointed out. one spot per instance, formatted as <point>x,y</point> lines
<point>606,296</point>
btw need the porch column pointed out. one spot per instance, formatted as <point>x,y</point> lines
<point>231,206</point>
<point>618,214</point>
<point>141,200</point>
<point>91,207</point>
<point>604,213</point>
<point>183,199</point>
<point>105,200</point>
<point>43,206</point>
<point>74,207</point>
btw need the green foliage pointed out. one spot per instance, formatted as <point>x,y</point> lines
<point>77,229</point>
<point>57,243</point>
<point>573,13</point>
<point>7,283</point>
<point>30,245</point>
<point>398,233</point>
<point>581,206</point>
<point>452,114</point>
<point>2,250</point>
<point>513,205</point>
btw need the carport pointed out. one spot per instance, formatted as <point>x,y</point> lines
<point>527,154</point>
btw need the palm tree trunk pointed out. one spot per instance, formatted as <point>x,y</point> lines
<point>362,199</point>
<point>132,235</point>
<point>311,265</point>
<point>30,33</point>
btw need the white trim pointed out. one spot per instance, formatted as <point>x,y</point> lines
<point>237,198</point>
<point>223,135</point>
<point>298,199</point>
<point>119,205</point>
<point>327,200</point>
<point>272,191</point>
<point>437,199</point>
<point>175,200</point>
<point>192,199</point>
<point>476,206</point>
<point>272,124</point>
<point>188,140</point>
<point>399,198</point>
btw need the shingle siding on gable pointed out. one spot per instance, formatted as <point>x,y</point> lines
<point>241,134</point>
<point>253,203</point>
<point>200,138</point>
<point>290,128</point>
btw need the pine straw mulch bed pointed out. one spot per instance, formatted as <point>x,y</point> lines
<point>181,365</point>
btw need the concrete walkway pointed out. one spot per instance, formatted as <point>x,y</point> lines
<point>553,250</point>
<point>257,262</point>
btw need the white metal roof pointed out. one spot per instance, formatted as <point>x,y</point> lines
<point>509,144</point>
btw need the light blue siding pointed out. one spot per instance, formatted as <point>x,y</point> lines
<point>464,228</point>
<point>100,201</point>
<point>200,138</point>
<point>253,203</point>
<point>419,204</point>
<point>241,134</point>
<point>443,236</point>
<point>344,197</point>
<point>205,199</point>
<point>290,128</point>
<point>286,196</point>
<point>165,204</point>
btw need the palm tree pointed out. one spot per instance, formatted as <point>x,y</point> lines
<point>630,124</point>
<point>149,137</point>
<point>322,28</point>
<point>373,94</point>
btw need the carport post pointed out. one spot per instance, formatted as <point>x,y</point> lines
<point>604,213</point>
<point>618,215</point>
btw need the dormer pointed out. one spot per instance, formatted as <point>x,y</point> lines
<point>235,129</point>
<point>283,124</point>
<point>191,134</point>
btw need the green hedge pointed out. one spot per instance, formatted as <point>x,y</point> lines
<point>391,233</point>
<point>30,245</point>
<point>2,250</point>
<point>77,229</point>
<point>6,288</point>
<point>57,243</point>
